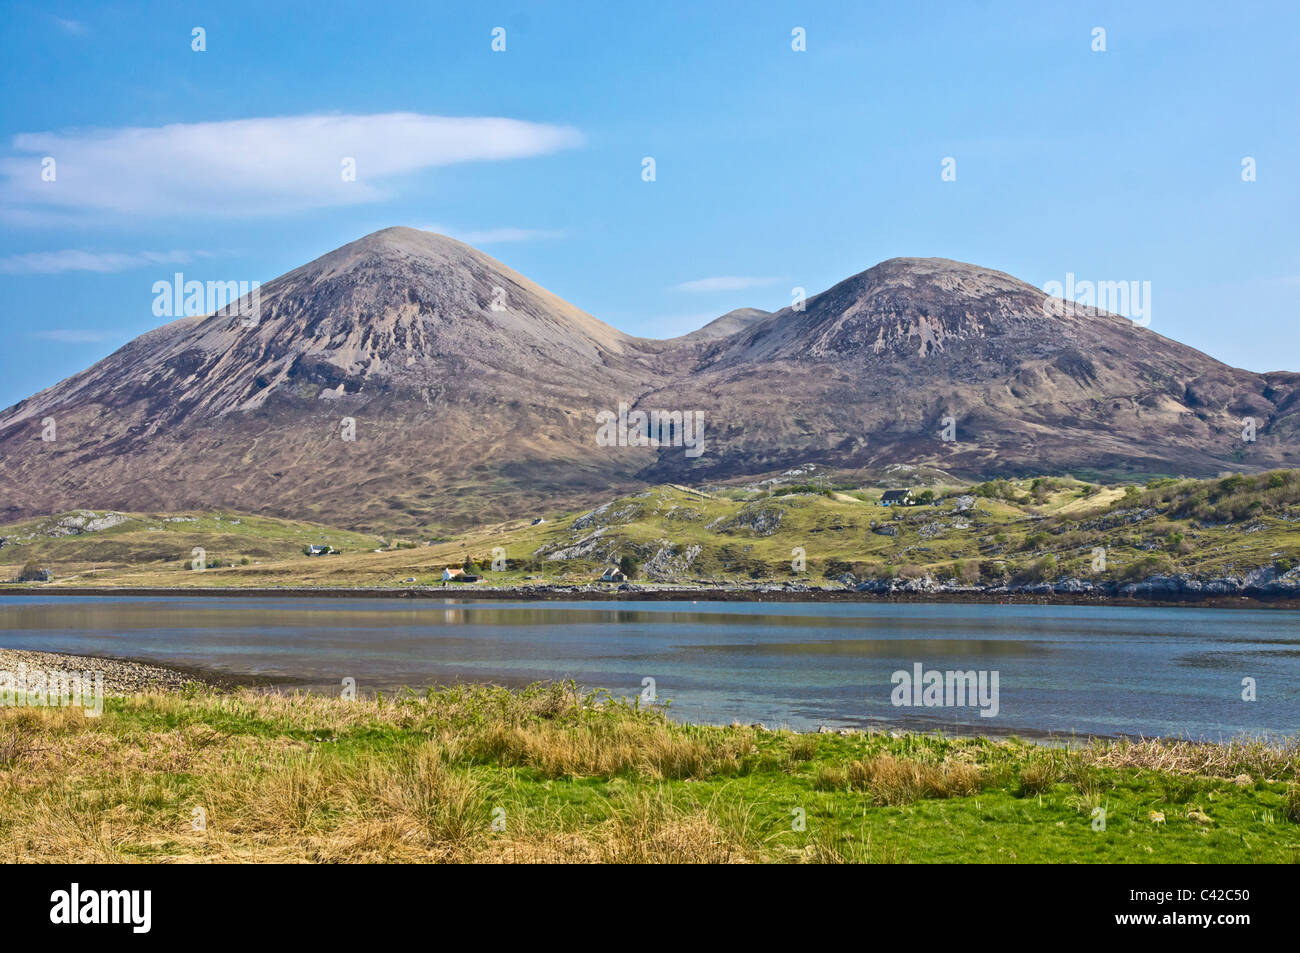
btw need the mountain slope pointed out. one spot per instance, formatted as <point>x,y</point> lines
<point>407,381</point>
<point>450,397</point>
<point>727,326</point>
<point>869,371</point>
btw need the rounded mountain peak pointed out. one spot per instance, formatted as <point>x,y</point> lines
<point>935,275</point>
<point>402,247</point>
<point>899,309</point>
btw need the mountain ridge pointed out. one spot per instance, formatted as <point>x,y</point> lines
<point>473,392</point>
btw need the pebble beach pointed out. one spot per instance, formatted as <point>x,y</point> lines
<point>120,677</point>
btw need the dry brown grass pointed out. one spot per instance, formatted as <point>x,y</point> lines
<point>1291,806</point>
<point>803,748</point>
<point>15,745</point>
<point>892,780</point>
<point>1262,760</point>
<point>279,789</point>
<point>650,751</point>
<point>851,849</point>
<point>488,775</point>
<point>1039,775</point>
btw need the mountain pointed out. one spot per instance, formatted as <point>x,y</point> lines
<point>726,326</point>
<point>868,371</point>
<point>461,411</point>
<point>407,380</point>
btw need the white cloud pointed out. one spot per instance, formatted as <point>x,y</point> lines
<point>725,283</point>
<point>54,262</point>
<point>489,236</point>
<point>75,27</point>
<point>249,166</point>
<point>76,336</point>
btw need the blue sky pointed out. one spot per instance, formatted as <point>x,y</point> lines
<point>775,168</point>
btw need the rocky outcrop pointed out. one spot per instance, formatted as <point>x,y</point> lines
<point>670,561</point>
<point>76,523</point>
<point>1264,582</point>
<point>761,519</point>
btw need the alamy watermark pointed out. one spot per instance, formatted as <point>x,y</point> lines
<point>131,908</point>
<point>922,688</point>
<point>651,428</point>
<point>52,688</point>
<point>179,298</point>
<point>1132,299</point>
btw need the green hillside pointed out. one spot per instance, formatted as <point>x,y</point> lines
<point>991,533</point>
<point>105,541</point>
<point>999,531</point>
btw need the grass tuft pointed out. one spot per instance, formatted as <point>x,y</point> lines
<point>549,774</point>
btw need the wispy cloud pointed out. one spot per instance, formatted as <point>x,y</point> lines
<point>75,27</point>
<point>249,166</point>
<point>53,262</point>
<point>489,236</point>
<point>76,336</point>
<point>725,283</point>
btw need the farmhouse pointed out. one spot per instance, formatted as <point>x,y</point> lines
<point>456,574</point>
<point>319,550</point>
<point>613,574</point>
<point>896,498</point>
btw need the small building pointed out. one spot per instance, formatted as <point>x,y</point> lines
<point>613,574</point>
<point>319,550</point>
<point>896,498</point>
<point>456,574</point>
<point>538,521</point>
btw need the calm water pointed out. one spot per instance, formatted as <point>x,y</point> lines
<point>1084,669</point>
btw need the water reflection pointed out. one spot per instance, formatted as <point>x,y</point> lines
<point>1086,669</point>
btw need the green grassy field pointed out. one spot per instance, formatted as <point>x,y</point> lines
<point>544,774</point>
<point>88,544</point>
<point>992,533</point>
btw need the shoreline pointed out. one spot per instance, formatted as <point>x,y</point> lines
<point>591,594</point>
<point>125,676</point>
<point>122,676</point>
